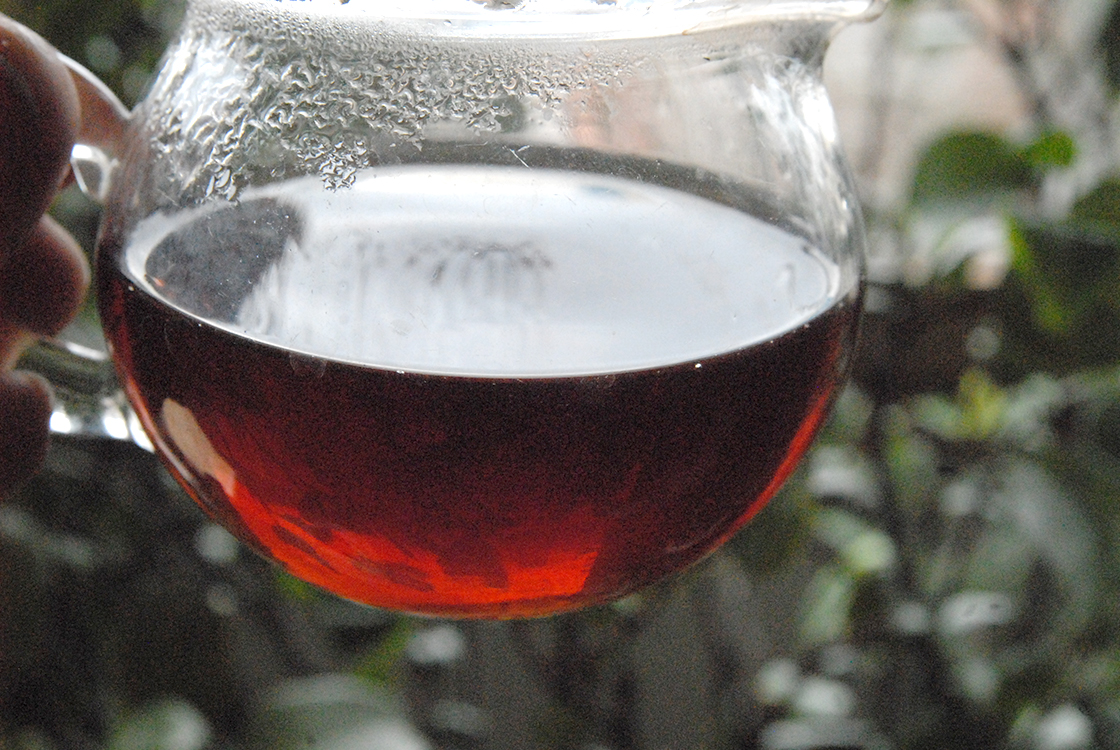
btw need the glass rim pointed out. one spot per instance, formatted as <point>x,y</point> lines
<point>562,18</point>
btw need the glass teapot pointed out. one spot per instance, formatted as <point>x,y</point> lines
<point>480,309</point>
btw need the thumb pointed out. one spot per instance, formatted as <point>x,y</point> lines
<point>39,116</point>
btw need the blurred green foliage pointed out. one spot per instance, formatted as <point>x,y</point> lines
<point>120,40</point>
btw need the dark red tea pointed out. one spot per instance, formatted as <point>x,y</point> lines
<point>551,462</point>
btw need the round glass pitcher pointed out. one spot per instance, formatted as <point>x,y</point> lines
<point>481,309</point>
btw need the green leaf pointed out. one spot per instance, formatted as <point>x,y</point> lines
<point>1052,149</point>
<point>968,165</point>
<point>828,606</point>
<point>1062,305</point>
<point>777,535</point>
<point>1046,517</point>
<point>169,725</point>
<point>911,464</point>
<point>1109,44</point>
<point>1070,274</point>
<point>293,588</point>
<point>1099,210</point>
<point>862,550</point>
<point>381,666</point>
<point>1108,429</point>
<point>977,413</point>
<point>333,712</point>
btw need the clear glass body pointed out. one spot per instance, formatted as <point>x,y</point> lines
<point>484,309</point>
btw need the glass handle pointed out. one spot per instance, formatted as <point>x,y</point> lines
<point>89,401</point>
<point>104,121</point>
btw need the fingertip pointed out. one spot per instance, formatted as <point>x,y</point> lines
<point>25,412</point>
<point>42,285</point>
<point>39,119</point>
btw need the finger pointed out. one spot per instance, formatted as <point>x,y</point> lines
<point>25,412</point>
<point>42,285</point>
<point>14,340</point>
<point>39,117</point>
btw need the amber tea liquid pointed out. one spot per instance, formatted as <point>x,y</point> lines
<point>477,391</point>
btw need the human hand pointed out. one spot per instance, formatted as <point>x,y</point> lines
<point>43,272</point>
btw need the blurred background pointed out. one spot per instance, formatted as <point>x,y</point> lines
<point>942,571</point>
